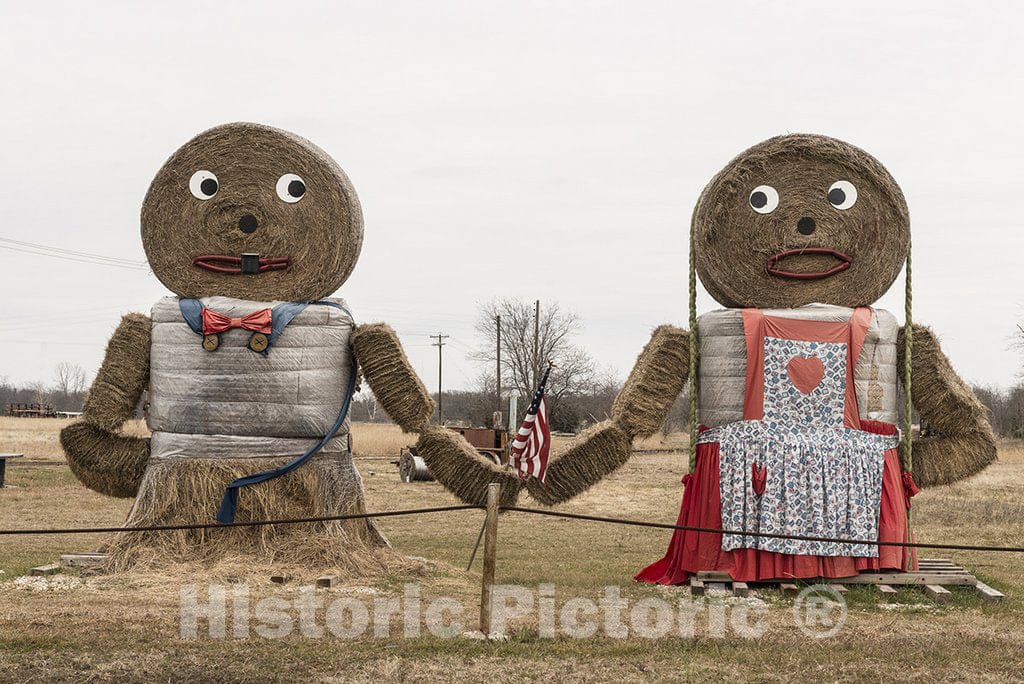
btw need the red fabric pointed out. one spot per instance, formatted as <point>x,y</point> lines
<point>805,372</point>
<point>756,326</point>
<point>909,487</point>
<point>691,552</point>
<point>758,478</point>
<point>258,321</point>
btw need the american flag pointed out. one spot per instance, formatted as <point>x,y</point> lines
<point>529,451</point>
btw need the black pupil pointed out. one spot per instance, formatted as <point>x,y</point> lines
<point>296,188</point>
<point>836,196</point>
<point>758,199</point>
<point>208,186</point>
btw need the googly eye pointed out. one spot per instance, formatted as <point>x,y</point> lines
<point>764,199</point>
<point>290,188</point>
<point>842,195</point>
<point>203,185</point>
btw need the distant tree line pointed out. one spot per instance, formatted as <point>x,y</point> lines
<point>66,392</point>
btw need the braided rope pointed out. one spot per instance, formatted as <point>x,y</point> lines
<point>907,450</point>
<point>693,344</point>
<point>908,351</point>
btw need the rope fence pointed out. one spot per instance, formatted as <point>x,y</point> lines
<point>510,509</point>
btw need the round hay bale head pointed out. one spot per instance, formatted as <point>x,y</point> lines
<point>798,219</point>
<point>249,211</point>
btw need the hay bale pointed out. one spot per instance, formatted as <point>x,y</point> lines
<point>656,380</point>
<point>945,460</point>
<point>123,376</point>
<point>461,468</point>
<point>394,382</point>
<point>189,490</point>
<point>321,234</point>
<point>734,242</point>
<point>104,462</point>
<point>594,454</point>
<point>948,405</point>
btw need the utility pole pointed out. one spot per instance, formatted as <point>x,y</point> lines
<point>440,343</point>
<point>497,375</point>
<point>536,344</point>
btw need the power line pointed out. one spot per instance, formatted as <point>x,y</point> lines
<point>70,254</point>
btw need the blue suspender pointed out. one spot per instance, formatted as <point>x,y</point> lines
<point>229,504</point>
<point>192,312</point>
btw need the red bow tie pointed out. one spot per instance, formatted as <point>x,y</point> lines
<point>258,321</point>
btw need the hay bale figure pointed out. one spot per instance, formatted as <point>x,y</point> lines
<point>797,381</point>
<point>250,367</point>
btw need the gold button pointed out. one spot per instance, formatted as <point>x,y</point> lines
<point>211,342</point>
<point>258,342</point>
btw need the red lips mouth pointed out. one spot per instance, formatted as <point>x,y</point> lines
<point>844,263</point>
<point>237,265</point>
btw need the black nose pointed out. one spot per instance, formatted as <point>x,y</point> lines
<point>805,225</point>
<point>247,224</point>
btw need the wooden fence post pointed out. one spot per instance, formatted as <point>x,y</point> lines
<point>490,553</point>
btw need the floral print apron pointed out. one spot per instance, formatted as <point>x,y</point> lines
<point>799,463</point>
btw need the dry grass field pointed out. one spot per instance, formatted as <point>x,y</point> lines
<point>126,627</point>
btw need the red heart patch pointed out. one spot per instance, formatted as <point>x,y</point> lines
<point>805,372</point>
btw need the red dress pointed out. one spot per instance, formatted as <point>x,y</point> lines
<point>783,397</point>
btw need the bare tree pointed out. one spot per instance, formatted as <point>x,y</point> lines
<point>364,406</point>
<point>523,361</point>
<point>69,379</point>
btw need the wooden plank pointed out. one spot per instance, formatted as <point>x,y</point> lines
<point>280,579</point>
<point>696,587</point>
<point>886,590</point>
<point>913,578</point>
<point>740,589</point>
<point>42,570</point>
<point>83,560</point>
<point>789,587</point>
<point>712,576</point>
<point>326,581</point>
<point>988,593</point>
<point>938,593</point>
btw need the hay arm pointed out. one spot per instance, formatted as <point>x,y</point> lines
<point>102,458</point>
<point>451,459</point>
<point>640,409</point>
<point>391,377</point>
<point>966,443</point>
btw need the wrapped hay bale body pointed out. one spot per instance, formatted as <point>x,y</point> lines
<point>723,362</point>
<point>223,414</point>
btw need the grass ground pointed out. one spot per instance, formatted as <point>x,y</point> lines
<point>127,627</point>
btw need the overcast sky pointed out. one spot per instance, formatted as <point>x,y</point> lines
<point>584,130</point>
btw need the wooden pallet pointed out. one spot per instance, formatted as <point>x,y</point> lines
<point>932,574</point>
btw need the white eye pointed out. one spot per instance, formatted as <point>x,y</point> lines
<point>842,195</point>
<point>290,188</point>
<point>764,199</point>
<point>203,185</point>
